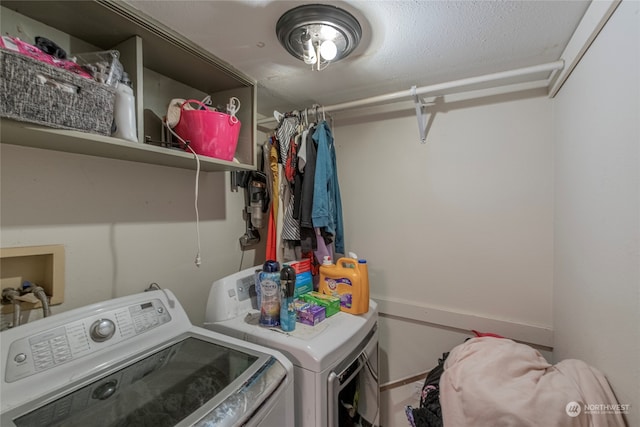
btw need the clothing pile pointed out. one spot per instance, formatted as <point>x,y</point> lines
<point>305,219</point>
<point>489,382</point>
<point>429,414</point>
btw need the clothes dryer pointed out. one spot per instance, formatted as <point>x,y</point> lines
<point>335,362</point>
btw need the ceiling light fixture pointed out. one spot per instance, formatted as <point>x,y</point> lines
<point>318,34</point>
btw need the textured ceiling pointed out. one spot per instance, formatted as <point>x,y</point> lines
<point>405,43</point>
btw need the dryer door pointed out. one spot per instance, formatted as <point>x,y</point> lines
<point>353,389</point>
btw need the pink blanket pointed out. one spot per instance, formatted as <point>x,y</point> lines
<point>493,382</point>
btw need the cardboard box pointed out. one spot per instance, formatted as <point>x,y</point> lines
<point>330,303</point>
<point>300,266</point>
<point>304,284</point>
<point>311,314</point>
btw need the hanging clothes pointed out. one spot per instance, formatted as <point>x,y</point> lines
<point>270,152</point>
<point>289,230</point>
<point>280,217</point>
<point>297,178</point>
<point>307,231</point>
<point>291,227</point>
<point>327,204</point>
<point>286,130</point>
<point>306,214</point>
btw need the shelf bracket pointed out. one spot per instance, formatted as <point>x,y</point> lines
<point>422,119</point>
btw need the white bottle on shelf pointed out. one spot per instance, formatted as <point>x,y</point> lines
<point>125,110</point>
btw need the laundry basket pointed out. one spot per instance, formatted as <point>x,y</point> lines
<point>209,133</point>
<point>37,92</point>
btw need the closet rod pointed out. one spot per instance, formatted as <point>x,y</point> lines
<point>395,96</point>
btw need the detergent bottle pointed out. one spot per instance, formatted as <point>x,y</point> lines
<point>364,280</point>
<point>287,290</point>
<point>348,280</point>
<point>124,112</point>
<point>269,282</point>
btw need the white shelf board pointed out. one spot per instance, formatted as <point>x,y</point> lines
<point>30,135</point>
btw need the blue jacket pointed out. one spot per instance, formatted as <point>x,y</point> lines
<point>327,206</point>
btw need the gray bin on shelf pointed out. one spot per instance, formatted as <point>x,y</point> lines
<point>66,101</point>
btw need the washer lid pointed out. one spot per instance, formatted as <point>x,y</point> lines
<point>194,379</point>
<point>314,348</point>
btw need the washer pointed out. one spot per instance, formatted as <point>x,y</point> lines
<point>138,360</point>
<point>331,359</point>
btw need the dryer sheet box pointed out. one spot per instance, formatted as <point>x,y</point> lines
<point>304,284</point>
<point>304,279</point>
<point>309,314</point>
<point>330,303</point>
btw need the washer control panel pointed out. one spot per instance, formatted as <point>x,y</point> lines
<point>53,347</point>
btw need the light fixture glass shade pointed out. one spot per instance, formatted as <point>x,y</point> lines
<point>318,33</point>
<point>328,50</point>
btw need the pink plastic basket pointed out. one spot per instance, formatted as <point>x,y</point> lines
<point>210,133</point>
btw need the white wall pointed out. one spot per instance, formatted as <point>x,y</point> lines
<point>124,225</point>
<point>597,217</point>
<point>462,223</point>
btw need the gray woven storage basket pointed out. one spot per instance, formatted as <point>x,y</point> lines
<point>24,97</point>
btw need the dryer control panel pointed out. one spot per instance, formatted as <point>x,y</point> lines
<point>53,347</point>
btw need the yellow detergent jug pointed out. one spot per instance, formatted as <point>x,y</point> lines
<point>347,279</point>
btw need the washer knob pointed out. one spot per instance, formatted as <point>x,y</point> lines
<point>102,329</point>
<point>106,390</point>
